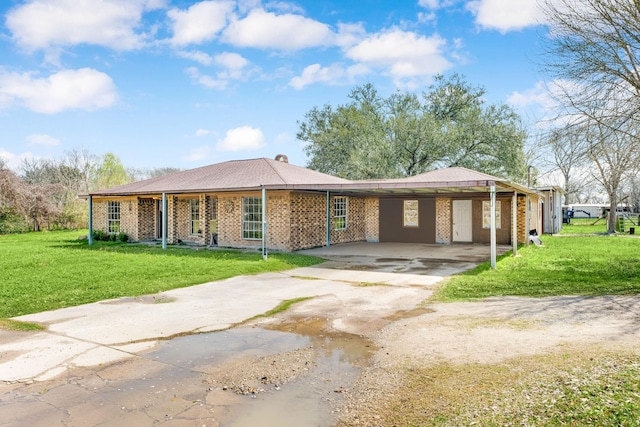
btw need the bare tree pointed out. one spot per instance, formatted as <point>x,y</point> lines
<point>568,155</point>
<point>595,44</point>
<point>615,152</point>
<point>593,48</point>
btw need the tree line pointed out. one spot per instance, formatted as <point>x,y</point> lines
<point>44,193</point>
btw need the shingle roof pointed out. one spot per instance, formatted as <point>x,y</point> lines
<point>253,174</point>
<point>231,175</point>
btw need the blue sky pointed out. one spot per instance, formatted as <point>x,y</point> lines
<point>185,83</point>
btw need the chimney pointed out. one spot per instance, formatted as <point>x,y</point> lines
<point>282,158</point>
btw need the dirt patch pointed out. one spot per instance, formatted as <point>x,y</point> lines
<point>254,375</point>
<point>484,362</point>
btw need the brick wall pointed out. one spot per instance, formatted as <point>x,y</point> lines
<point>128,216</point>
<point>372,219</point>
<point>308,221</point>
<point>230,221</point>
<point>279,222</point>
<point>356,222</point>
<point>443,220</point>
<point>146,219</point>
<point>172,219</point>
<point>522,219</point>
<point>182,215</point>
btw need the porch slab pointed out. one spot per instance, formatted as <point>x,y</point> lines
<point>474,253</point>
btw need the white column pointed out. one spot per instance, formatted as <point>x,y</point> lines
<point>492,192</point>
<point>90,237</point>
<point>328,218</point>
<point>514,223</point>
<point>264,223</point>
<point>165,226</point>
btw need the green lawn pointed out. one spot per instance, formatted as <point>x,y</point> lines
<point>585,226</point>
<point>580,265</point>
<point>45,271</point>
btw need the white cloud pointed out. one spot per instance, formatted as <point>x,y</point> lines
<point>45,24</point>
<point>332,75</point>
<point>402,54</point>
<point>266,30</point>
<point>205,80</point>
<point>350,34</point>
<point>197,154</point>
<point>42,139</point>
<point>537,96</point>
<point>204,132</point>
<point>84,89</point>
<point>14,161</point>
<point>429,4</point>
<point>506,15</point>
<point>233,63</point>
<point>201,22</point>
<point>234,67</point>
<point>198,56</point>
<point>242,138</point>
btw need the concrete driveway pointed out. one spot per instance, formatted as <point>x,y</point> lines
<point>109,331</point>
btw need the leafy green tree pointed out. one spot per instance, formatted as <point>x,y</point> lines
<point>404,135</point>
<point>109,172</point>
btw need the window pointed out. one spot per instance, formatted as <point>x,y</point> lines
<point>340,210</point>
<point>486,214</point>
<point>113,217</point>
<point>410,213</point>
<point>252,218</point>
<point>195,216</point>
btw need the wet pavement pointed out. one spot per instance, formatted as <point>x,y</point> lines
<point>189,381</point>
<point>171,358</point>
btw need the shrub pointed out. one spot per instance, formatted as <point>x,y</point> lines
<point>101,236</point>
<point>12,222</point>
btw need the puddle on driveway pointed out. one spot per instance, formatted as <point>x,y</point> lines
<point>293,374</point>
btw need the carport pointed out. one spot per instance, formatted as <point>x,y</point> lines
<point>451,188</point>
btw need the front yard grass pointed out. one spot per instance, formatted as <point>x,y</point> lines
<point>580,265</point>
<point>46,271</point>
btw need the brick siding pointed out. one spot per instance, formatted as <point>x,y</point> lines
<point>356,222</point>
<point>372,219</point>
<point>443,221</point>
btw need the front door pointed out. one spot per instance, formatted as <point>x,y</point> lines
<point>462,221</point>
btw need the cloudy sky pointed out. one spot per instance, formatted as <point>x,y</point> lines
<point>185,83</point>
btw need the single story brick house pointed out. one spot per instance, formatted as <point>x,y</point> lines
<point>271,204</point>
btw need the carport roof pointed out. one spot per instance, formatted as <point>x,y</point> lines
<point>254,174</point>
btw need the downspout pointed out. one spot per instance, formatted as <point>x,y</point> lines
<point>90,237</point>
<point>165,225</point>
<point>264,223</point>
<point>514,223</point>
<point>492,193</point>
<point>328,218</point>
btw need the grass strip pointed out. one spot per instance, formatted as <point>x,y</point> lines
<point>283,306</point>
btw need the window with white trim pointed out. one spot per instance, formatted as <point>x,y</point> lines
<point>113,217</point>
<point>252,218</point>
<point>340,211</point>
<point>195,216</point>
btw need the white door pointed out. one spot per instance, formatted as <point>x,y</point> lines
<point>462,220</point>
